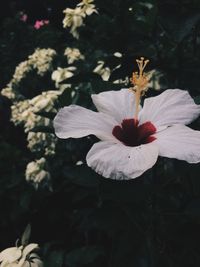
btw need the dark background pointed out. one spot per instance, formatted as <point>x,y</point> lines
<point>87,220</point>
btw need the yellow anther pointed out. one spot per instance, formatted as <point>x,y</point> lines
<point>140,82</point>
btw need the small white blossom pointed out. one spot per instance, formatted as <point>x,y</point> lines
<point>20,112</point>
<point>155,79</point>
<point>124,81</point>
<point>80,162</point>
<point>22,256</point>
<point>73,19</point>
<point>42,142</point>
<point>24,111</point>
<point>73,54</point>
<point>88,7</point>
<point>104,72</point>
<point>35,121</point>
<point>9,93</point>
<point>20,72</point>
<point>62,74</point>
<point>117,54</point>
<point>36,172</point>
<point>45,101</point>
<point>42,59</point>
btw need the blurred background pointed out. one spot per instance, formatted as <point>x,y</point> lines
<point>50,59</point>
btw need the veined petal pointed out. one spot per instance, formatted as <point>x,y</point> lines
<point>75,121</point>
<point>180,142</point>
<point>173,106</point>
<point>118,104</point>
<point>117,161</point>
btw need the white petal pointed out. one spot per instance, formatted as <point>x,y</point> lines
<point>10,254</point>
<point>37,263</point>
<point>29,248</point>
<point>118,104</point>
<point>117,161</point>
<point>75,121</point>
<point>179,142</point>
<point>21,263</point>
<point>6,264</point>
<point>173,106</point>
<point>26,264</point>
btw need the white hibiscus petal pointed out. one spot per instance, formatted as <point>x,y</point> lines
<point>173,106</point>
<point>75,121</point>
<point>179,142</point>
<point>118,104</point>
<point>117,161</point>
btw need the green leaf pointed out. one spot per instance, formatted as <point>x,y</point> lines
<point>42,129</point>
<point>197,99</point>
<point>65,98</point>
<point>83,176</point>
<point>26,235</point>
<point>55,259</point>
<point>84,255</point>
<point>49,115</point>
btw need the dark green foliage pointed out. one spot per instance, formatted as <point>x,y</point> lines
<point>88,220</point>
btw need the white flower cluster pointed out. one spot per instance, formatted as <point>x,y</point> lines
<point>62,74</point>
<point>74,17</point>
<point>9,93</point>
<point>45,101</point>
<point>24,112</point>
<point>21,70</point>
<point>42,142</point>
<point>20,112</point>
<point>41,60</point>
<point>103,71</point>
<point>73,54</point>
<point>36,172</point>
<point>23,256</point>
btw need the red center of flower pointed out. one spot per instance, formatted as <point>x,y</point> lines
<point>132,134</point>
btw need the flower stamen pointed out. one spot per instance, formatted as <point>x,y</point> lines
<point>140,83</point>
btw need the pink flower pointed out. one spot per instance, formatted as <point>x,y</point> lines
<point>23,17</point>
<point>40,23</point>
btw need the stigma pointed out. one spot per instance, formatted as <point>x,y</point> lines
<point>140,82</point>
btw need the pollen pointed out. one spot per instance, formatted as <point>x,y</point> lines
<point>140,82</point>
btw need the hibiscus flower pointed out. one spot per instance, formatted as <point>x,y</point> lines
<point>132,137</point>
